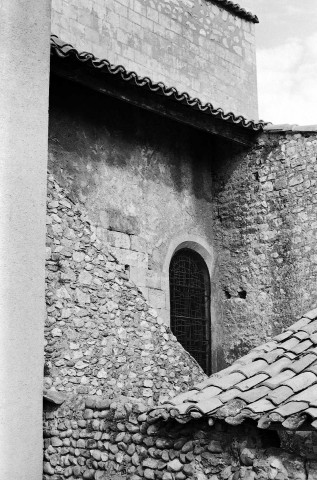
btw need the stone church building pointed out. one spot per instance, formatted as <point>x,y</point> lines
<point>178,235</point>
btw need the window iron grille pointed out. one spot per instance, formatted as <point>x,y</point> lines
<point>190,305</point>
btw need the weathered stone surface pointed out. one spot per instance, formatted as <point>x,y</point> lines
<point>111,349</point>
<point>214,33</point>
<point>265,214</point>
<point>174,466</point>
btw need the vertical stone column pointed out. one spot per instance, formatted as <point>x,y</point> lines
<point>24,82</point>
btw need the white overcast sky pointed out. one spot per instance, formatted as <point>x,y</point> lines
<point>287,59</point>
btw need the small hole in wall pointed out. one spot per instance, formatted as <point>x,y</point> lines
<point>242,294</point>
<point>256,176</point>
<point>227,294</point>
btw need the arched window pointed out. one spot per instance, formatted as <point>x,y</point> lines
<point>190,305</point>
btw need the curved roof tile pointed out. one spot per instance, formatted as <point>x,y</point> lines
<point>66,50</point>
<point>274,383</point>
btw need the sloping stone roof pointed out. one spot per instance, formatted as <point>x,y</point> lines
<point>237,10</point>
<point>65,50</point>
<point>275,383</point>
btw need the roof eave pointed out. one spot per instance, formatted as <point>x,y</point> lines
<point>100,76</point>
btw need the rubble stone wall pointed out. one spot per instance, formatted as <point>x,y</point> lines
<point>101,336</point>
<point>101,439</point>
<point>195,46</point>
<point>266,224</point>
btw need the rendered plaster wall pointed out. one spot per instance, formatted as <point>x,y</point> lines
<point>99,439</point>
<point>145,182</point>
<point>24,77</point>
<point>195,46</point>
<point>266,222</point>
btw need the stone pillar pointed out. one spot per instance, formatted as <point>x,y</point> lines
<point>24,82</point>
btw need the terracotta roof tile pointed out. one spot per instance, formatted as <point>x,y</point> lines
<point>228,381</point>
<point>261,406</point>
<point>280,394</point>
<point>308,395</point>
<point>289,344</point>
<point>66,51</point>
<point>207,406</point>
<point>291,407</point>
<point>229,395</point>
<point>301,347</point>
<point>274,355</point>
<point>251,382</point>
<point>313,338</point>
<point>310,328</point>
<point>304,362</point>
<point>255,394</point>
<point>312,368</point>
<point>250,369</point>
<point>301,335</point>
<point>275,383</point>
<point>280,379</point>
<point>312,411</point>
<point>278,366</point>
<point>299,382</point>
<point>302,322</point>
<point>283,336</point>
<point>204,394</point>
<point>312,314</point>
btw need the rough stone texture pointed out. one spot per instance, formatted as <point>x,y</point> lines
<point>102,440</point>
<point>101,335</point>
<point>143,180</point>
<point>266,221</point>
<point>195,46</point>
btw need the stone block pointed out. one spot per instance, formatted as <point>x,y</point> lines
<point>115,220</point>
<point>138,276</point>
<point>119,239</point>
<point>138,244</point>
<point>129,257</point>
<point>157,298</point>
<point>154,280</point>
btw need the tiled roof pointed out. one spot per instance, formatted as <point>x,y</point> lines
<point>275,383</point>
<point>237,10</point>
<point>65,50</point>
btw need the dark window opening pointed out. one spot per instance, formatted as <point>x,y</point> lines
<point>190,305</point>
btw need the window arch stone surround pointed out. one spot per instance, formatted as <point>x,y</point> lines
<point>200,245</point>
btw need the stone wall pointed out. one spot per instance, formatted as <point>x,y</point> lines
<point>266,223</point>
<point>150,185</point>
<point>145,182</point>
<point>195,46</point>
<point>101,336</point>
<point>99,439</point>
